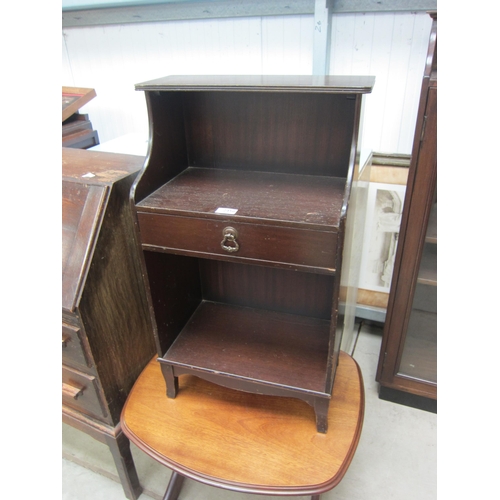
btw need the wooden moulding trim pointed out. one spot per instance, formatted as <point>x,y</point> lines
<point>247,384</point>
<point>419,387</point>
<point>243,260</point>
<point>76,419</point>
<point>336,84</point>
<point>255,489</point>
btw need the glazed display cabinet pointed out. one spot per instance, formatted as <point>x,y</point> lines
<point>407,370</point>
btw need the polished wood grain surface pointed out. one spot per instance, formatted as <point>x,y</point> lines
<point>269,347</point>
<point>259,244</point>
<point>301,133</point>
<point>82,216</point>
<point>267,288</point>
<point>314,202</point>
<point>96,167</point>
<point>309,83</point>
<point>246,442</point>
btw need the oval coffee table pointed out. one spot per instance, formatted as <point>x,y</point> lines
<point>245,442</point>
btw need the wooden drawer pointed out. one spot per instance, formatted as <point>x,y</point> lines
<point>81,392</point>
<point>290,247</point>
<point>73,350</point>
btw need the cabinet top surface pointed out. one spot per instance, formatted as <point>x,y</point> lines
<point>97,167</point>
<point>270,83</point>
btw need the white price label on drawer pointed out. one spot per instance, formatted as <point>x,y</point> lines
<point>227,211</point>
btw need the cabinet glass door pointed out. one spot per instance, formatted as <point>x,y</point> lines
<point>419,357</point>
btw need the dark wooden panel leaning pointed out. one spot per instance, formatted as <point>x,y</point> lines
<point>241,213</point>
<point>107,336</point>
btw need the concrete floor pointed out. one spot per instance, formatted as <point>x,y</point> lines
<point>396,456</point>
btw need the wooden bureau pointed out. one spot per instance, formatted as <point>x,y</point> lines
<point>106,332</point>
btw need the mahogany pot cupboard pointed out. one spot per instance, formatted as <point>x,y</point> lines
<point>242,211</point>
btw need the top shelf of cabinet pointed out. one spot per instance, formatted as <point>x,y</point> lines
<point>256,129</point>
<point>283,83</point>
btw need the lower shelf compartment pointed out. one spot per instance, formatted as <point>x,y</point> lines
<point>264,347</point>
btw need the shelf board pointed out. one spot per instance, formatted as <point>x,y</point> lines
<point>306,201</point>
<point>431,235</point>
<point>277,349</point>
<point>419,359</point>
<point>427,274</point>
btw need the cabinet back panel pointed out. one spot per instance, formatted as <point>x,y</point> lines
<point>266,131</point>
<point>268,288</point>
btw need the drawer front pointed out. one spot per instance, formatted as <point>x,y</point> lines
<point>73,350</point>
<point>81,392</point>
<point>274,244</point>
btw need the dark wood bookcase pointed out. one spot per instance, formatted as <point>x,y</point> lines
<point>241,212</point>
<point>407,370</point>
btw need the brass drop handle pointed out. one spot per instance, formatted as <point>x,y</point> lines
<point>229,243</point>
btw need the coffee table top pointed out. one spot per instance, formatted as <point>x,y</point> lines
<point>246,442</point>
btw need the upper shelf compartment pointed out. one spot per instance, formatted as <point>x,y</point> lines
<point>284,125</point>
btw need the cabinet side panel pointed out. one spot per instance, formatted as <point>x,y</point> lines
<point>281,290</point>
<point>289,132</point>
<point>114,307</point>
<point>167,143</point>
<point>174,283</point>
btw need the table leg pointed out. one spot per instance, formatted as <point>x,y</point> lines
<point>120,450</point>
<point>174,486</point>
